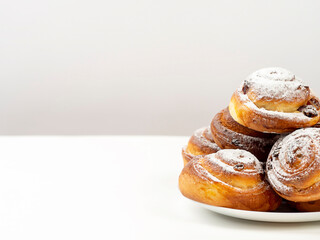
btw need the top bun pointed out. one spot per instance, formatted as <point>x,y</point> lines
<point>274,100</point>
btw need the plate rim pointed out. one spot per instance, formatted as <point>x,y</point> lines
<point>262,216</point>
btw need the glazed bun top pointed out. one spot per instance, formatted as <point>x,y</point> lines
<point>276,89</point>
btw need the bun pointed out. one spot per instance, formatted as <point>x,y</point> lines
<point>313,206</point>
<point>263,149</point>
<point>201,143</point>
<point>229,178</point>
<point>228,134</point>
<point>274,100</point>
<point>293,166</point>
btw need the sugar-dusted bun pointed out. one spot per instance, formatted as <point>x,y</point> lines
<point>200,143</point>
<point>228,134</point>
<point>274,100</point>
<point>230,178</point>
<point>293,166</point>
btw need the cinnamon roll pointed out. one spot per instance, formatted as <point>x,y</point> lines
<point>201,143</point>
<point>227,133</point>
<point>293,166</point>
<point>230,178</point>
<point>274,100</point>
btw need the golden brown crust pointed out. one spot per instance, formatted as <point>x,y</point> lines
<point>186,156</point>
<point>317,125</point>
<point>313,206</point>
<point>274,101</point>
<point>200,143</point>
<point>229,178</point>
<point>228,134</point>
<point>293,166</point>
<point>247,114</point>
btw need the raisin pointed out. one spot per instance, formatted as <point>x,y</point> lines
<point>238,167</point>
<point>269,166</point>
<point>315,103</point>
<point>309,111</point>
<point>245,87</point>
<point>301,87</point>
<point>236,142</point>
<point>276,152</point>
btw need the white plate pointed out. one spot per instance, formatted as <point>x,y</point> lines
<point>282,215</point>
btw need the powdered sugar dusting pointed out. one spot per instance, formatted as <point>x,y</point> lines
<point>293,160</point>
<point>278,185</point>
<point>205,174</point>
<point>205,142</point>
<point>229,159</point>
<point>276,84</point>
<point>218,173</point>
<point>273,74</point>
<point>238,156</point>
<point>296,116</point>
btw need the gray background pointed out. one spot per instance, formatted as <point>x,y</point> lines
<point>142,67</point>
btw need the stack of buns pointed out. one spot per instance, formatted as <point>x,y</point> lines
<point>264,148</point>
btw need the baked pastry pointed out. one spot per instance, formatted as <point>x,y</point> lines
<point>274,100</point>
<point>227,133</point>
<point>230,178</point>
<point>293,166</point>
<point>317,125</point>
<point>313,206</point>
<point>200,143</point>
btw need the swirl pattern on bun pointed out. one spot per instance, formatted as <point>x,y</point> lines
<point>229,178</point>
<point>274,100</point>
<point>293,166</point>
<point>200,143</point>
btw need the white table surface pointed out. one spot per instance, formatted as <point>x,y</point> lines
<point>111,187</point>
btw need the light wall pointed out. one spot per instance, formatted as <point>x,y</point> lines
<point>142,67</point>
